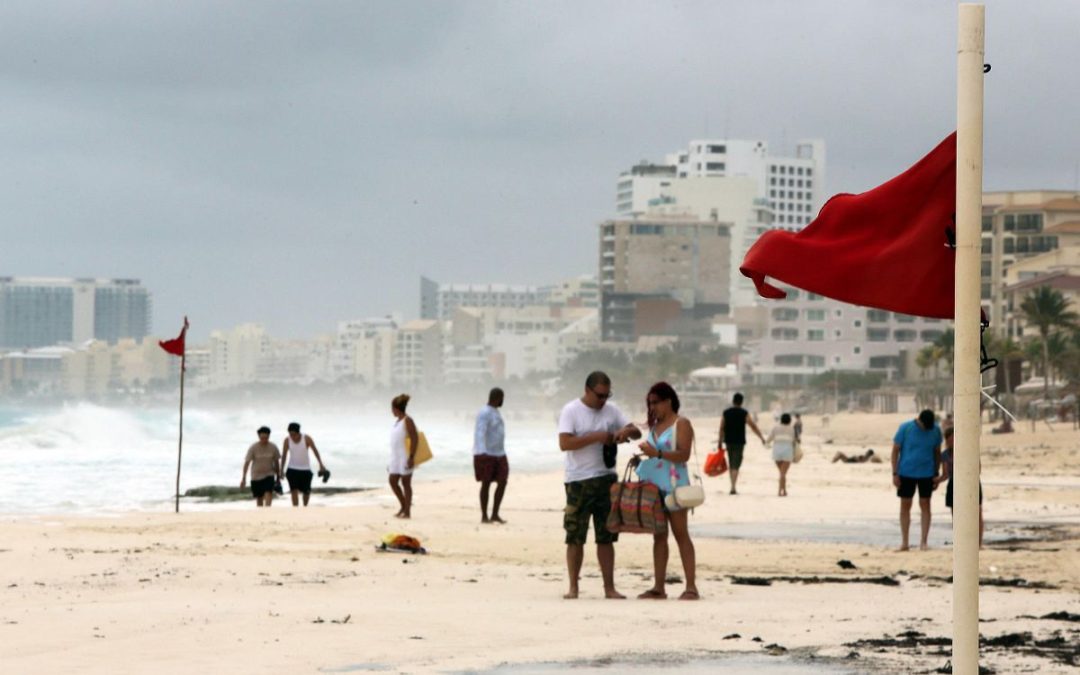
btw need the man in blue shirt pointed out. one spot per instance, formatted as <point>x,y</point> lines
<point>916,459</point>
<point>489,455</point>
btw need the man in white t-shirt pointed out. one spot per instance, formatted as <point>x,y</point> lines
<point>585,426</point>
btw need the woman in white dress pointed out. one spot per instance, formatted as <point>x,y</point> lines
<point>401,455</point>
<point>782,438</point>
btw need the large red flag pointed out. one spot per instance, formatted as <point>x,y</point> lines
<point>890,248</point>
<point>176,346</point>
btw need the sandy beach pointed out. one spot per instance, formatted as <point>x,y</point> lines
<point>304,590</point>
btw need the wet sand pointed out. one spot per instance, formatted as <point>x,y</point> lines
<point>247,590</point>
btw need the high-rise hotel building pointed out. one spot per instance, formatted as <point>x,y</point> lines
<point>39,312</point>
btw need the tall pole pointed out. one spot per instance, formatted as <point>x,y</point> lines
<point>180,444</point>
<point>966,375</point>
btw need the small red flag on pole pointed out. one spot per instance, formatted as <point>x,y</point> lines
<point>176,347</point>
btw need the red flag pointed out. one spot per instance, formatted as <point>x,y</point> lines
<point>176,346</point>
<point>890,247</point>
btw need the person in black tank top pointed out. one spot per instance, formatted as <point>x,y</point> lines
<point>733,436</point>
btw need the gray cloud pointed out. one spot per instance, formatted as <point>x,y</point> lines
<point>298,163</point>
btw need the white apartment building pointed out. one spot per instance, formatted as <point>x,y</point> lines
<point>794,186</point>
<point>807,334</point>
<point>235,354</point>
<point>363,348</point>
<point>417,357</point>
<point>438,300</point>
<point>504,343</point>
<point>736,182</point>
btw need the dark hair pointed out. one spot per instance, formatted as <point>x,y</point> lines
<point>294,426</point>
<point>785,419</point>
<point>400,402</point>
<point>597,377</point>
<point>664,392</point>
<point>926,419</point>
<point>263,430</point>
<point>495,394</point>
<point>949,432</point>
<point>737,399</point>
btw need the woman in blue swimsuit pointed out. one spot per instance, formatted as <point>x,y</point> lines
<point>660,463</point>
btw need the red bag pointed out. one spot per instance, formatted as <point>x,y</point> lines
<point>716,463</point>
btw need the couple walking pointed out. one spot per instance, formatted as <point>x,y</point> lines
<point>586,426</point>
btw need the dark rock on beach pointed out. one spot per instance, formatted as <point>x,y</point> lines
<point>225,493</point>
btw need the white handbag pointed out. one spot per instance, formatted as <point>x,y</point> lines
<point>684,496</point>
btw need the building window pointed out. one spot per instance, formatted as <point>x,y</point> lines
<point>904,318</point>
<point>785,314</point>
<point>813,296</point>
<point>839,313</point>
<point>788,360</point>
<point>877,334</point>
<point>714,166</point>
<point>987,246</point>
<point>858,323</point>
<point>930,335</point>
<point>717,149</point>
<point>815,335</point>
<point>904,335</point>
<point>785,334</point>
<point>815,315</point>
<point>857,350</point>
<point>877,315</point>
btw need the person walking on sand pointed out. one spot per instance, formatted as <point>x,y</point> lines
<point>916,457</point>
<point>298,464</point>
<point>403,443</point>
<point>264,458</point>
<point>783,442</point>
<point>947,457</point>
<point>733,436</point>
<point>489,455</point>
<point>586,426</point>
<point>661,459</point>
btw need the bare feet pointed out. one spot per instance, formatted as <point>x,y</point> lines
<point>571,595</point>
<point>498,520</point>
<point>612,594</point>
<point>924,547</point>
<point>903,548</point>
<point>653,594</point>
<point>733,492</point>
<point>690,594</point>
<point>485,520</point>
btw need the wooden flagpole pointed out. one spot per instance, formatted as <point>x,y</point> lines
<point>180,444</point>
<point>966,375</point>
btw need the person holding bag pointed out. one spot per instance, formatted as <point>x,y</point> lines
<point>665,452</point>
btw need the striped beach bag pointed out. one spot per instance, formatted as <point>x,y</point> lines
<point>636,507</point>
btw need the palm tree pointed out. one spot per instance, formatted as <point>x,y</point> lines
<point>1046,309</point>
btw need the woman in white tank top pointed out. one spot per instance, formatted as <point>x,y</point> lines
<point>403,442</point>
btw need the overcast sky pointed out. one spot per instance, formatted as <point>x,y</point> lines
<point>300,163</point>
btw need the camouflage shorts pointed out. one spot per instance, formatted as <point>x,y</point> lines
<point>589,498</point>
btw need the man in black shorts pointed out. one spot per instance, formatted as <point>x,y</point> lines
<point>264,458</point>
<point>916,460</point>
<point>733,436</point>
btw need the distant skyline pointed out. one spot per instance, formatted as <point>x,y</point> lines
<point>296,164</point>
